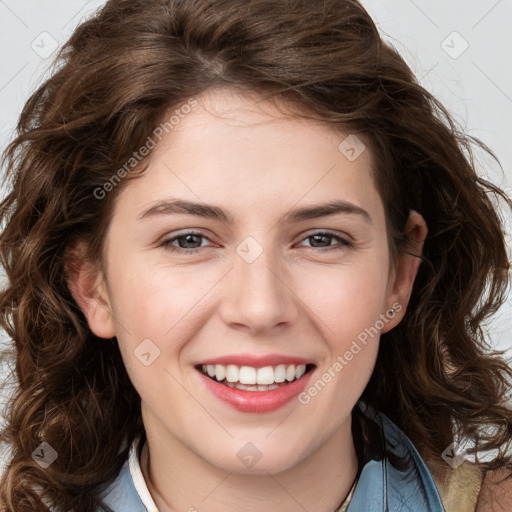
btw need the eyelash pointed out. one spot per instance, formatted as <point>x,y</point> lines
<point>343,243</point>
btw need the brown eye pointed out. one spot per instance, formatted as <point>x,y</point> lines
<point>320,240</point>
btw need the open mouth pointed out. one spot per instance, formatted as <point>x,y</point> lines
<point>248,378</point>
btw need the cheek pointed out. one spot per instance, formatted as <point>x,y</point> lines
<point>150,301</point>
<point>348,305</point>
<point>151,320</point>
<point>347,299</point>
<point>164,305</point>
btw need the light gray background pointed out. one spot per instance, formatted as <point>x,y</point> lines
<point>459,50</point>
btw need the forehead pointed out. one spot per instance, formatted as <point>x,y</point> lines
<point>238,148</point>
<point>248,116</point>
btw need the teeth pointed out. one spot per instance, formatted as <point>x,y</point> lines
<point>220,372</point>
<point>290,373</point>
<point>252,388</point>
<point>248,375</point>
<point>280,373</point>
<point>265,375</point>
<point>252,379</point>
<point>232,373</point>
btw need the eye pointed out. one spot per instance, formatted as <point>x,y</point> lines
<point>323,239</point>
<point>189,242</point>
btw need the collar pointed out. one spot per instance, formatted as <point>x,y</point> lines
<point>138,478</point>
<point>142,489</point>
<point>394,478</point>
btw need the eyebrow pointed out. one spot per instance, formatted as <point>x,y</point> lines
<point>178,206</point>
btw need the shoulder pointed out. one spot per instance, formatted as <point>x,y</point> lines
<point>467,489</point>
<point>460,487</point>
<point>496,492</point>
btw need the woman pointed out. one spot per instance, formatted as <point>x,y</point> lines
<point>257,367</point>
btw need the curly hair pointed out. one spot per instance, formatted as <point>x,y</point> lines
<point>114,79</point>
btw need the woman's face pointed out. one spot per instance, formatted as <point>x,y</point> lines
<point>288,265</point>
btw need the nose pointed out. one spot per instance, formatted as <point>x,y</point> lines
<point>258,298</point>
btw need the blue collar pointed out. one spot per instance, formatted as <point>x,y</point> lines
<point>394,478</point>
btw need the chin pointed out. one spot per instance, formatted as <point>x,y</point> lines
<point>257,458</point>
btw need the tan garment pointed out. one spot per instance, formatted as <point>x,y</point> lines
<point>459,491</point>
<point>346,503</point>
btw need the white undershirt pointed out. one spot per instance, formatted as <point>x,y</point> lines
<point>138,478</point>
<point>143,491</point>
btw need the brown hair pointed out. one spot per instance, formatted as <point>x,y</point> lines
<point>116,76</point>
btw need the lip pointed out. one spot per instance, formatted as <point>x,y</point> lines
<point>255,361</point>
<point>256,401</point>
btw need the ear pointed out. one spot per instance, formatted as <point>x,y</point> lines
<point>404,273</point>
<point>88,287</point>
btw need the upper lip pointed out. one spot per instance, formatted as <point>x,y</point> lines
<point>255,361</point>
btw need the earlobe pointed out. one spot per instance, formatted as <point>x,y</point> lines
<point>406,269</point>
<point>88,288</point>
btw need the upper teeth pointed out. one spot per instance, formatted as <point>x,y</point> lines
<point>249,375</point>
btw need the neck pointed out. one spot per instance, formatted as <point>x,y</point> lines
<point>180,480</point>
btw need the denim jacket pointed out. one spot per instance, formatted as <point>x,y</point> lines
<point>382,486</point>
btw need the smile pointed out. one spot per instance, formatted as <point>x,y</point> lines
<point>255,389</point>
<point>248,378</point>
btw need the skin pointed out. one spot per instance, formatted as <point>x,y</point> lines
<point>239,153</point>
<point>496,493</point>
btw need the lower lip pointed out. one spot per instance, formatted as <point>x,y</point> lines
<point>256,401</point>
